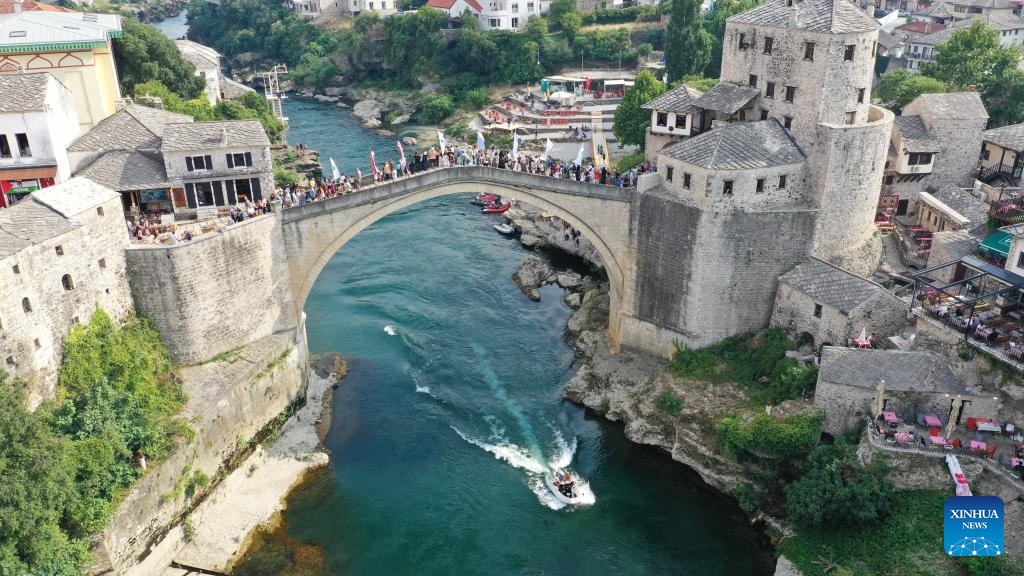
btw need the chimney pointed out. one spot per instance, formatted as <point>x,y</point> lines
<point>972,88</point>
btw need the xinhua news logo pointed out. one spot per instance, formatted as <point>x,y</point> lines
<point>973,526</point>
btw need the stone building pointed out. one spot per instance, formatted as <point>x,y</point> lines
<point>63,254</point>
<point>791,168</point>
<point>75,47</point>
<point>37,123</point>
<point>1002,154</point>
<point>915,383</point>
<point>218,163</point>
<point>207,63</point>
<point>936,141</point>
<point>673,115</point>
<point>951,208</point>
<point>831,306</point>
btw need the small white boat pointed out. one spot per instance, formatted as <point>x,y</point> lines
<point>505,228</point>
<point>565,487</point>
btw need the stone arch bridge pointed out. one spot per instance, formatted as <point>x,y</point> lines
<point>314,232</point>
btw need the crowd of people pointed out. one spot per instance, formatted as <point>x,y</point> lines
<point>460,155</point>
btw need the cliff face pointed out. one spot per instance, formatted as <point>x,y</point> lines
<point>636,390</point>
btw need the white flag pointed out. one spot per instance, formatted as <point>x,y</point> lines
<point>515,145</point>
<point>440,138</point>
<point>480,144</point>
<point>579,157</point>
<point>547,150</point>
<point>401,151</point>
<point>334,170</point>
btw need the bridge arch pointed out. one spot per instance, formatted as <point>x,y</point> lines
<point>315,232</point>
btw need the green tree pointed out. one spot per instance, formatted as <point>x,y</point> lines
<point>559,8</point>
<point>836,489</point>
<point>143,53</point>
<point>899,88</point>
<point>714,24</point>
<point>571,23</point>
<point>973,56</point>
<point>687,45</point>
<point>632,121</point>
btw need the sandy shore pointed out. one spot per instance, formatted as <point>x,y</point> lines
<point>249,496</point>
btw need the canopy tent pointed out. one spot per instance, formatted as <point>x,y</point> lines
<point>563,98</point>
<point>997,243</point>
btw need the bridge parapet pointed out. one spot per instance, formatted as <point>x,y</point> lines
<point>457,175</point>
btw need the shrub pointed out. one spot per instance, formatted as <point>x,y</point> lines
<point>837,489</point>
<point>669,403</point>
<point>764,435</point>
<point>436,108</point>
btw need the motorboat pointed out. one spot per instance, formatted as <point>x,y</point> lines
<point>505,228</point>
<point>564,486</point>
<point>483,199</point>
<point>494,208</point>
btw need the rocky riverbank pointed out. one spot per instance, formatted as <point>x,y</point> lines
<point>156,10</point>
<point>540,230</point>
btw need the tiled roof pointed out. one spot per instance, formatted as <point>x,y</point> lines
<point>838,16</point>
<point>447,4</point>
<point>74,196</point>
<point>726,97</point>
<point>1011,137</point>
<point>739,146</point>
<point>32,28</point>
<point>915,135</point>
<point>902,371</point>
<point>30,222</point>
<point>935,37</point>
<point>997,4</point>
<point>952,105</point>
<point>199,55</point>
<point>830,285</point>
<point>963,203</point>
<point>134,127</point>
<point>8,7</point>
<point>232,89</point>
<point>678,99</point>
<point>888,41</point>
<point>122,170</point>
<point>217,134</point>
<point>23,92</point>
<point>921,27</point>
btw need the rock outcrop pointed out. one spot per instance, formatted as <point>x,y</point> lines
<point>368,111</point>
<point>536,230</point>
<point>531,274</point>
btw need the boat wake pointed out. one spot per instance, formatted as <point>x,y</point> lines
<point>518,457</point>
<point>390,330</point>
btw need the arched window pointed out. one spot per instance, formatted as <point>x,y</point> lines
<point>66,281</point>
<point>26,305</point>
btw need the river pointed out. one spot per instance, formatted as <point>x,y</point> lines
<point>452,409</point>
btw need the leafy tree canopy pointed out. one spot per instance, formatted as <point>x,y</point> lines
<point>688,45</point>
<point>143,53</point>
<point>632,121</point>
<point>899,88</point>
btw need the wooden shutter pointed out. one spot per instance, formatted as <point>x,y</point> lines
<point>256,195</point>
<point>190,195</point>
<point>229,185</point>
<point>188,163</point>
<point>231,163</point>
<point>209,163</point>
<point>248,158</point>
<point>218,193</point>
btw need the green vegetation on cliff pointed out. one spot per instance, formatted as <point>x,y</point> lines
<point>248,105</point>
<point>64,467</point>
<point>763,435</point>
<point>143,53</point>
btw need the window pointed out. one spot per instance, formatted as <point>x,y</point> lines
<point>26,305</point>
<point>10,362</point>
<point>768,41</point>
<point>851,117</point>
<point>16,269</point>
<point>668,173</point>
<point>99,210</point>
<point>769,90</point>
<point>817,310</point>
<point>760,186</point>
<point>860,95</point>
<point>59,250</point>
<point>790,93</point>
<point>764,114</point>
<point>680,121</point>
<point>515,23</point>
<point>985,152</point>
<point>76,320</point>
<point>727,187</point>
<point>782,182</point>
<point>686,180</point>
<point>743,41</point>
<point>371,5</point>
<point>889,179</point>
<point>5,147</point>
<point>238,160</point>
<point>752,81</point>
<point>67,283</point>
<point>662,118</point>
<point>515,8</point>
<point>103,263</point>
<point>494,23</point>
<point>529,6</point>
<point>874,49</point>
<point>787,121</point>
<point>848,54</point>
<point>918,159</point>
<point>37,344</point>
<point>1020,260</point>
<point>198,163</point>
<point>23,147</point>
<point>809,51</point>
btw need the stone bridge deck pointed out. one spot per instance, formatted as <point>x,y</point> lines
<point>465,175</point>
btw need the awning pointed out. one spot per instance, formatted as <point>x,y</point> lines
<point>28,173</point>
<point>998,243</point>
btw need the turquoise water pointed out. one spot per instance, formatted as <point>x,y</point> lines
<point>337,134</point>
<point>175,27</point>
<point>440,431</point>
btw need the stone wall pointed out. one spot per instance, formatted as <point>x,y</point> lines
<point>794,311</point>
<point>654,143</point>
<point>92,255</point>
<point>217,292</point>
<point>229,402</point>
<point>705,275</point>
<point>949,246</point>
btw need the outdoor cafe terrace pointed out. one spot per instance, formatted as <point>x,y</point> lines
<point>982,303</point>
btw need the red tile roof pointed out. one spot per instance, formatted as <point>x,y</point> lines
<point>7,7</point>
<point>447,4</point>
<point>922,27</point>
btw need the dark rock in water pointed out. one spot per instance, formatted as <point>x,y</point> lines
<point>329,364</point>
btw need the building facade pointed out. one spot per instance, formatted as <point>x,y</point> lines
<point>674,116</point>
<point>75,48</point>
<point>207,63</point>
<point>37,123</point>
<point>1002,154</point>
<point>63,255</point>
